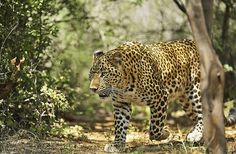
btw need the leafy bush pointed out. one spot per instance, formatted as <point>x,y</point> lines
<point>31,98</point>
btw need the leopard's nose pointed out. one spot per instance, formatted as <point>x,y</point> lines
<point>93,89</point>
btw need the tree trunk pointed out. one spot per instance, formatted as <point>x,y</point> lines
<point>212,75</point>
<point>208,15</point>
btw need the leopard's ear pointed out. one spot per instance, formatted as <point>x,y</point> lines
<point>97,54</point>
<point>116,58</point>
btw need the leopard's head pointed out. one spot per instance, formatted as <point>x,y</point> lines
<point>106,73</point>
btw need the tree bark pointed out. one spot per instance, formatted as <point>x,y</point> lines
<point>212,75</point>
<point>208,15</point>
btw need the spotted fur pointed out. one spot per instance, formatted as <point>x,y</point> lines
<point>152,75</point>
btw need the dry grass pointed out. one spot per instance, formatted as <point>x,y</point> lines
<point>93,141</point>
<point>137,143</point>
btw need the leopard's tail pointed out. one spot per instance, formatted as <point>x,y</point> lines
<point>231,118</point>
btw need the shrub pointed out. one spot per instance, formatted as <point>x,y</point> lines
<point>31,98</point>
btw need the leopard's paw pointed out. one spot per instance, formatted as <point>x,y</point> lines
<point>114,147</point>
<point>165,134</point>
<point>194,136</point>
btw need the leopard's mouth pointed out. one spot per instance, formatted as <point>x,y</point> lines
<point>104,93</point>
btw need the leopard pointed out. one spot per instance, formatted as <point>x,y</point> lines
<point>150,74</point>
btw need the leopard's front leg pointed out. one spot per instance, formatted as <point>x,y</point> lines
<point>122,114</point>
<point>158,116</point>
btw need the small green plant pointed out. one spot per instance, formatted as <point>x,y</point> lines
<point>63,130</point>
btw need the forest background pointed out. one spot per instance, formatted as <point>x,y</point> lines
<point>46,49</point>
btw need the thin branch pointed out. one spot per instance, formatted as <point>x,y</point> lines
<point>180,5</point>
<point>8,35</point>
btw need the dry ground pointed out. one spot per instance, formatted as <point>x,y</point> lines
<point>98,133</point>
